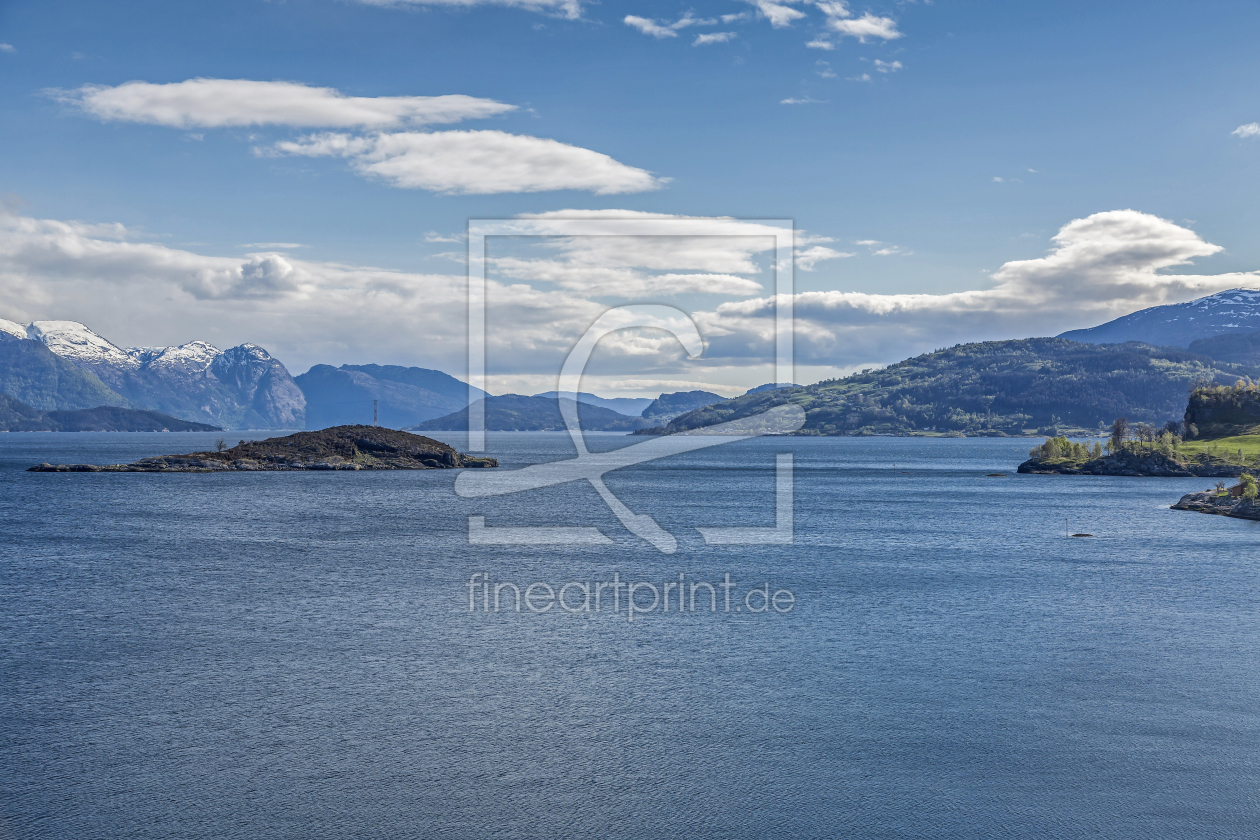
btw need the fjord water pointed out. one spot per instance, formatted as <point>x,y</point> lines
<point>291,655</point>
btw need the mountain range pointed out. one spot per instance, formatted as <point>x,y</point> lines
<point>241,387</point>
<point>65,366</point>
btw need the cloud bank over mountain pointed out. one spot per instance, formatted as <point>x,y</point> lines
<point>540,300</point>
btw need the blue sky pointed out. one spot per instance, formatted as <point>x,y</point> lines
<point>1079,109</point>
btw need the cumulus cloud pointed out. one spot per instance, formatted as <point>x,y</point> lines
<point>780,14</point>
<point>805,100</point>
<point>841,21</point>
<point>1101,267</point>
<point>665,30</point>
<point>713,38</point>
<point>476,162</point>
<point>222,103</point>
<point>821,44</point>
<point>9,48</point>
<point>888,67</point>
<point>1248,130</point>
<point>571,9</point>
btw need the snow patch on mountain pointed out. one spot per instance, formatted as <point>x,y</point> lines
<point>72,340</point>
<point>1180,324</point>
<point>11,328</point>
<point>192,358</point>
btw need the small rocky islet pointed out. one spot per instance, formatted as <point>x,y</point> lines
<point>1130,462</point>
<point>336,448</point>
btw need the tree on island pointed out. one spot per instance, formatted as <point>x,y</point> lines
<point>1119,432</point>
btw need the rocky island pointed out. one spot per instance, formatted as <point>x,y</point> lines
<point>1059,456</point>
<point>336,448</point>
<point>1239,501</point>
<point>1219,437</point>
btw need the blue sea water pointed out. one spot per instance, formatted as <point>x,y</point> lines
<point>291,655</point>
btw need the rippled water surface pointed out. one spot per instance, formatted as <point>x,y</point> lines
<point>292,655</point>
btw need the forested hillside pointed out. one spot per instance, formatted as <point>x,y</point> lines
<point>994,387</point>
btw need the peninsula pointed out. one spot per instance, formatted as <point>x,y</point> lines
<point>336,448</point>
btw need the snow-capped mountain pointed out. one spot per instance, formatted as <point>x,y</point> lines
<point>1179,324</point>
<point>72,340</point>
<point>242,387</point>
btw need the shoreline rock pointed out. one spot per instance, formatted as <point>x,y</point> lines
<point>336,448</point>
<point>1209,501</point>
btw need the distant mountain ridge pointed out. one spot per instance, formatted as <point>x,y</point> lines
<point>668,406</point>
<point>1180,324</point>
<point>1241,349</point>
<point>16,416</point>
<point>241,387</point>
<point>629,406</point>
<point>517,413</point>
<point>404,395</point>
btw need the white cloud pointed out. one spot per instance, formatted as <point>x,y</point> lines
<point>718,258</point>
<point>571,9</point>
<point>434,236</point>
<point>807,259</point>
<point>868,242</point>
<point>888,67</point>
<point>302,311</point>
<point>9,48</point>
<point>801,101</point>
<point>713,38</point>
<point>476,162</point>
<point>306,311</point>
<point>820,44</point>
<point>736,18</point>
<point>867,26</point>
<point>447,162</point>
<point>1248,130</point>
<point>841,20</point>
<point>824,70</point>
<point>221,103</point>
<point>1102,266</point>
<point>664,30</point>
<point>865,77</point>
<point>779,14</point>
<point>593,278</point>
